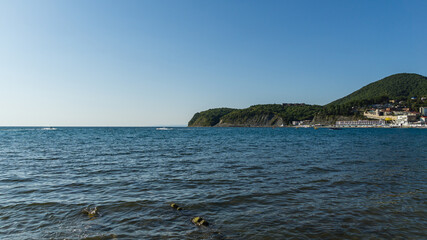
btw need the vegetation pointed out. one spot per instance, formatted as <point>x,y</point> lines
<point>397,87</point>
<point>352,107</point>
<point>209,117</point>
<point>416,104</point>
<point>404,88</point>
<point>288,113</point>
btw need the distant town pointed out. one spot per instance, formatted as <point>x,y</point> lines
<point>399,100</point>
<point>391,114</point>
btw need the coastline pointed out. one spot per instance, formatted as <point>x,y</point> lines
<point>315,127</point>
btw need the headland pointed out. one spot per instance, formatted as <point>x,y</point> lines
<point>399,100</point>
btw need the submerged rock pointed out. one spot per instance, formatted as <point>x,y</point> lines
<point>199,221</point>
<point>173,205</point>
<point>91,212</point>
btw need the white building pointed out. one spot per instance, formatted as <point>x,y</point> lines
<point>360,123</point>
<point>405,119</point>
<point>423,111</point>
<point>402,120</point>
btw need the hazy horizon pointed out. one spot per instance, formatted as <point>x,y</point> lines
<point>156,63</point>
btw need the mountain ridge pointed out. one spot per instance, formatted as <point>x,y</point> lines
<point>397,87</point>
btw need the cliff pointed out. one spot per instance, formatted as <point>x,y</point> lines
<point>263,120</point>
<point>209,117</point>
<point>266,115</point>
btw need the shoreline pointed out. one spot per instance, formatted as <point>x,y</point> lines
<point>341,127</point>
<point>315,127</point>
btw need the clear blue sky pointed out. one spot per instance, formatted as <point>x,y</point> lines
<point>154,63</point>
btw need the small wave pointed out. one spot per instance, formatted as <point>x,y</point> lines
<point>320,181</point>
<point>350,183</point>
<point>16,179</point>
<point>101,237</point>
<point>164,129</point>
<point>305,188</point>
<point>317,170</point>
<point>127,206</point>
<point>49,129</point>
<point>253,168</point>
<point>17,129</point>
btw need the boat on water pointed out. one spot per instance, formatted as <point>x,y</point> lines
<point>335,128</point>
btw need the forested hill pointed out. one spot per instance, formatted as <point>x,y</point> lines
<point>398,87</point>
<point>407,87</point>
<point>209,117</point>
<point>254,116</point>
<point>269,115</point>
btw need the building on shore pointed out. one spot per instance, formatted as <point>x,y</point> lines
<point>423,111</point>
<point>380,115</point>
<point>396,114</point>
<point>360,123</point>
<point>300,123</point>
<point>404,120</point>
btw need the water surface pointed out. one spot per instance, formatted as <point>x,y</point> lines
<point>248,183</point>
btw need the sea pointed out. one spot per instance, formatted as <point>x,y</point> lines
<point>246,183</point>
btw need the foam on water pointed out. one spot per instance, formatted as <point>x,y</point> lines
<point>49,129</point>
<point>164,129</point>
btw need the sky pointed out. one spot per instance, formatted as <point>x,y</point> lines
<point>156,63</point>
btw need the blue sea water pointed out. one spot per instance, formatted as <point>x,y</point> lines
<point>248,183</point>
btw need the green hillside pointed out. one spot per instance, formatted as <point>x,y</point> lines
<point>209,117</point>
<point>398,87</point>
<point>263,115</point>
<point>288,113</point>
<point>406,87</point>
